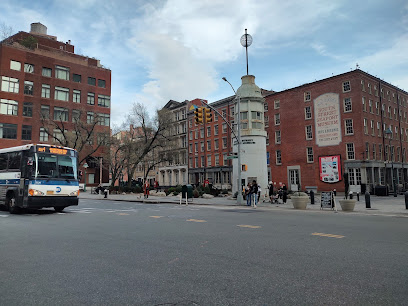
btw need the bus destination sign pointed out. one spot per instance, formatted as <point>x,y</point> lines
<point>52,150</point>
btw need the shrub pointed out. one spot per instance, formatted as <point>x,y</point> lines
<point>196,193</point>
<point>175,193</point>
<point>178,188</point>
<point>207,190</point>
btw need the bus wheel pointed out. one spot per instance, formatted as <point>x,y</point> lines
<point>12,205</point>
<point>59,209</point>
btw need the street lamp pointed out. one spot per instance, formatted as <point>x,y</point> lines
<point>85,167</point>
<point>239,185</point>
<point>394,187</point>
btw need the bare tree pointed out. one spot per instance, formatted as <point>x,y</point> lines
<point>145,139</point>
<point>5,32</point>
<point>78,134</point>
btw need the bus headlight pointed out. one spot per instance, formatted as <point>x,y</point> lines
<point>34,192</point>
<point>74,193</point>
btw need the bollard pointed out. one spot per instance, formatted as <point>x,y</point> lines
<point>334,191</point>
<point>312,201</point>
<point>358,196</point>
<point>351,195</point>
<point>406,199</point>
<point>106,194</point>
<point>367,199</point>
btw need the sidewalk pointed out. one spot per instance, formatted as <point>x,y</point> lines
<point>379,205</point>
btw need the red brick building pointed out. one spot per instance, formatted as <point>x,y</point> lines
<point>319,131</point>
<point>41,76</point>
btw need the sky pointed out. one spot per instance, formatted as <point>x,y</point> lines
<point>163,50</point>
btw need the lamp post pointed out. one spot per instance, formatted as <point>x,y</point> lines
<point>239,186</point>
<point>394,187</point>
<point>85,167</point>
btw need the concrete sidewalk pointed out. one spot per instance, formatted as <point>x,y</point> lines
<point>379,205</point>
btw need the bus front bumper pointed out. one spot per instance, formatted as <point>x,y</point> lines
<point>39,202</point>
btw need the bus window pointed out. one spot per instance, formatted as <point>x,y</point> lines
<point>47,165</point>
<point>3,161</point>
<point>67,167</point>
<point>14,160</point>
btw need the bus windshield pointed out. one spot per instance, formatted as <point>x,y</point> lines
<point>55,166</point>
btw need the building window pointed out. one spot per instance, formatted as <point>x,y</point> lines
<point>309,132</point>
<point>8,107</point>
<point>28,109</point>
<point>350,151</point>
<point>309,153</point>
<point>28,88</point>
<point>91,98</point>
<point>216,144</point>
<point>10,84</point>
<point>347,105</point>
<point>365,122</point>
<point>307,96</point>
<point>43,135</point>
<point>308,112</point>
<point>265,107</point>
<point>349,126</point>
<point>362,85</point>
<point>58,136</point>
<point>372,128</point>
<point>202,133</point>
<point>277,119</point>
<point>278,157</point>
<point>103,101</point>
<point>377,108</point>
<point>346,86</point>
<point>101,83</point>
<point>8,131</point>
<point>370,106</point>
<point>363,100</point>
<point>276,104</point>
<point>26,132</point>
<point>224,128</point>
<point>76,96</point>
<point>217,160</point>
<point>374,152</point>
<point>45,111</point>
<point>29,68</point>
<point>196,147</point>
<point>104,119</point>
<point>208,131</point>
<point>208,145</point>
<point>76,115</point>
<point>47,72</point>
<point>76,78</point>
<point>224,142</point>
<point>208,160</point>
<point>61,93</point>
<point>216,130</point>
<point>89,117</point>
<point>45,91</point>
<point>14,65</point>
<point>92,81</point>
<point>60,114</point>
<point>277,137</point>
<point>267,139</point>
<point>256,116</point>
<point>62,72</point>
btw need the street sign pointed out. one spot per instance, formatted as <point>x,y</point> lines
<point>232,156</point>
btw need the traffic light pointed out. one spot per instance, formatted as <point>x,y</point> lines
<point>244,167</point>
<point>208,115</point>
<point>198,112</point>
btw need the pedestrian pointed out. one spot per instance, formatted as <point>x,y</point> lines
<point>270,191</point>
<point>284,193</point>
<point>248,194</point>
<point>146,189</point>
<point>259,192</point>
<point>254,192</point>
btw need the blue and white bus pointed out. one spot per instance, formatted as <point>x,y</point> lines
<point>37,176</point>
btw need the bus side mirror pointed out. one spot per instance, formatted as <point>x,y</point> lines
<point>80,174</point>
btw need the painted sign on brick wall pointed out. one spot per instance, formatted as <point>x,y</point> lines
<point>327,120</point>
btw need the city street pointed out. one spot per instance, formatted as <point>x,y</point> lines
<point>123,253</point>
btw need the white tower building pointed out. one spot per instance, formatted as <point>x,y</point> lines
<point>253,135</point>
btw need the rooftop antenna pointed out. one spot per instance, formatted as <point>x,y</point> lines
<point>246,41</point>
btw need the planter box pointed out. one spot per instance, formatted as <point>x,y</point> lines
<point>299,202</point>
<point>347,205</point>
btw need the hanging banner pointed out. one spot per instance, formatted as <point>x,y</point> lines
<point>330,168</point>
<point>327,120</point>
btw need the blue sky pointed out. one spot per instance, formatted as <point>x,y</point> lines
<point>180,49</point>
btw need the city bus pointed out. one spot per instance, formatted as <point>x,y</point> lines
<point>37,176</point>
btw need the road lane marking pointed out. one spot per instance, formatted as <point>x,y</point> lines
<point>123,214</point>
<point>195,220</point>
<point>249,226</point>
<point>328,235</point>
<point>156,217</point>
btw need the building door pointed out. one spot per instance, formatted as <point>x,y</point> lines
<point>355,179</point>
<point>294,179</point>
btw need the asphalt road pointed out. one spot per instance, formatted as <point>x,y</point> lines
<point>119,253</point>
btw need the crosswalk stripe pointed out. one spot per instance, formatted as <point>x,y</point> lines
<point>156,217</point>
<point>195,220</point>
<point>249,226</point>
<point>328,235</point>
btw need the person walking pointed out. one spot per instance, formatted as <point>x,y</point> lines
<point>285,193</point>
<point>146,189</point>
<point>248,194</point>
<point>254,192</point>
<point>270,192</point>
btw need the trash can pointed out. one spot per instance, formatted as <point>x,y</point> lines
<point>187,191</point>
